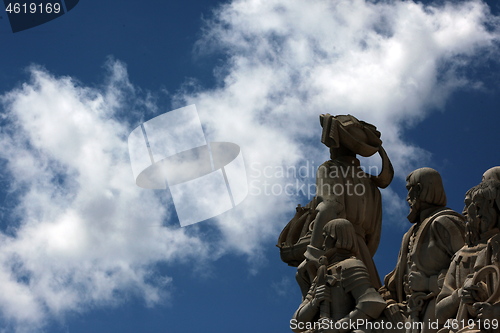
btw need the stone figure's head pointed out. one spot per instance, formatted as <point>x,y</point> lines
<point>492,174</point>
<point>346,135</point>
<point>482,210</point>
<point>340,236</point>
<point>425,189</point>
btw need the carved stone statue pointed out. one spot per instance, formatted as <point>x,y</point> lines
<point>471,287</point>
<point>492,174</point>
<point>344,190</point>
<point>341,293</point>
<point>426,250</point>
<point>446,270</point>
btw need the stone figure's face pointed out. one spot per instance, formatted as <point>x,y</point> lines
<point>467,202</point>
<point>469,211</point>
<point>413,199</point>
<point>485,213</point>
<point>329,242</point>
<point>472,222</point>
<point>329,245</point>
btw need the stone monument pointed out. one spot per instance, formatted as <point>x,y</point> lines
<point>341,292</point>
<point>471,290</point>
<point>301,240</point>
<point>447,277</point>
<point>426,250</point>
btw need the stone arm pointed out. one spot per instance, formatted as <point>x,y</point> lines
<point>389,290</point>
<point>330,206</point>
<point>450,232</point>
<point>308,310</point>
<point>487,311</point>
<point>369,303</point>
<point>448,235</point>
<point>448,301</point>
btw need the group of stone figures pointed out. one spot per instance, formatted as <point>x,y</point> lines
<point>447,275</point>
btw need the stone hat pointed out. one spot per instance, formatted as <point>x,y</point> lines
<point>358,136</point>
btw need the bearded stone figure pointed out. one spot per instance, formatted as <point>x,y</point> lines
<point>470,296</point>
<point>436,234</point>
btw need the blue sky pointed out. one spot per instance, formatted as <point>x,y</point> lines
<point>83,249</point>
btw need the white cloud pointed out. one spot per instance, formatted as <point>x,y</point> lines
<point>283,287</point>
<point>291,60</point>
<point>389,63</point>
<point>86,234</point>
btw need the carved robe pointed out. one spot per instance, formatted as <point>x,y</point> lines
<point>351,293</point>
<point>427,248</point>
<point>343,184</point>
<point>466,262</point>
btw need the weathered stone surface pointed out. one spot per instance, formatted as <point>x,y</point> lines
<point>426,250</point>
<point>341,291</point>
<point>447,277</point>
<point>471,292</point>
<point>344,190</point>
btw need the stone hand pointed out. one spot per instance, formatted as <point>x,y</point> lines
<point>418,281</point>
<point>471,293</point>
<point>466,293</point>
<point>487,311</point>
<point>322,294</point>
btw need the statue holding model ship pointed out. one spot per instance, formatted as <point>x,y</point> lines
<point>333,239</point>
<point>301,240</point>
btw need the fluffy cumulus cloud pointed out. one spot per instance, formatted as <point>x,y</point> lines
<point>387,62</point>
<point>81,234</point>
<point>84,234</point>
